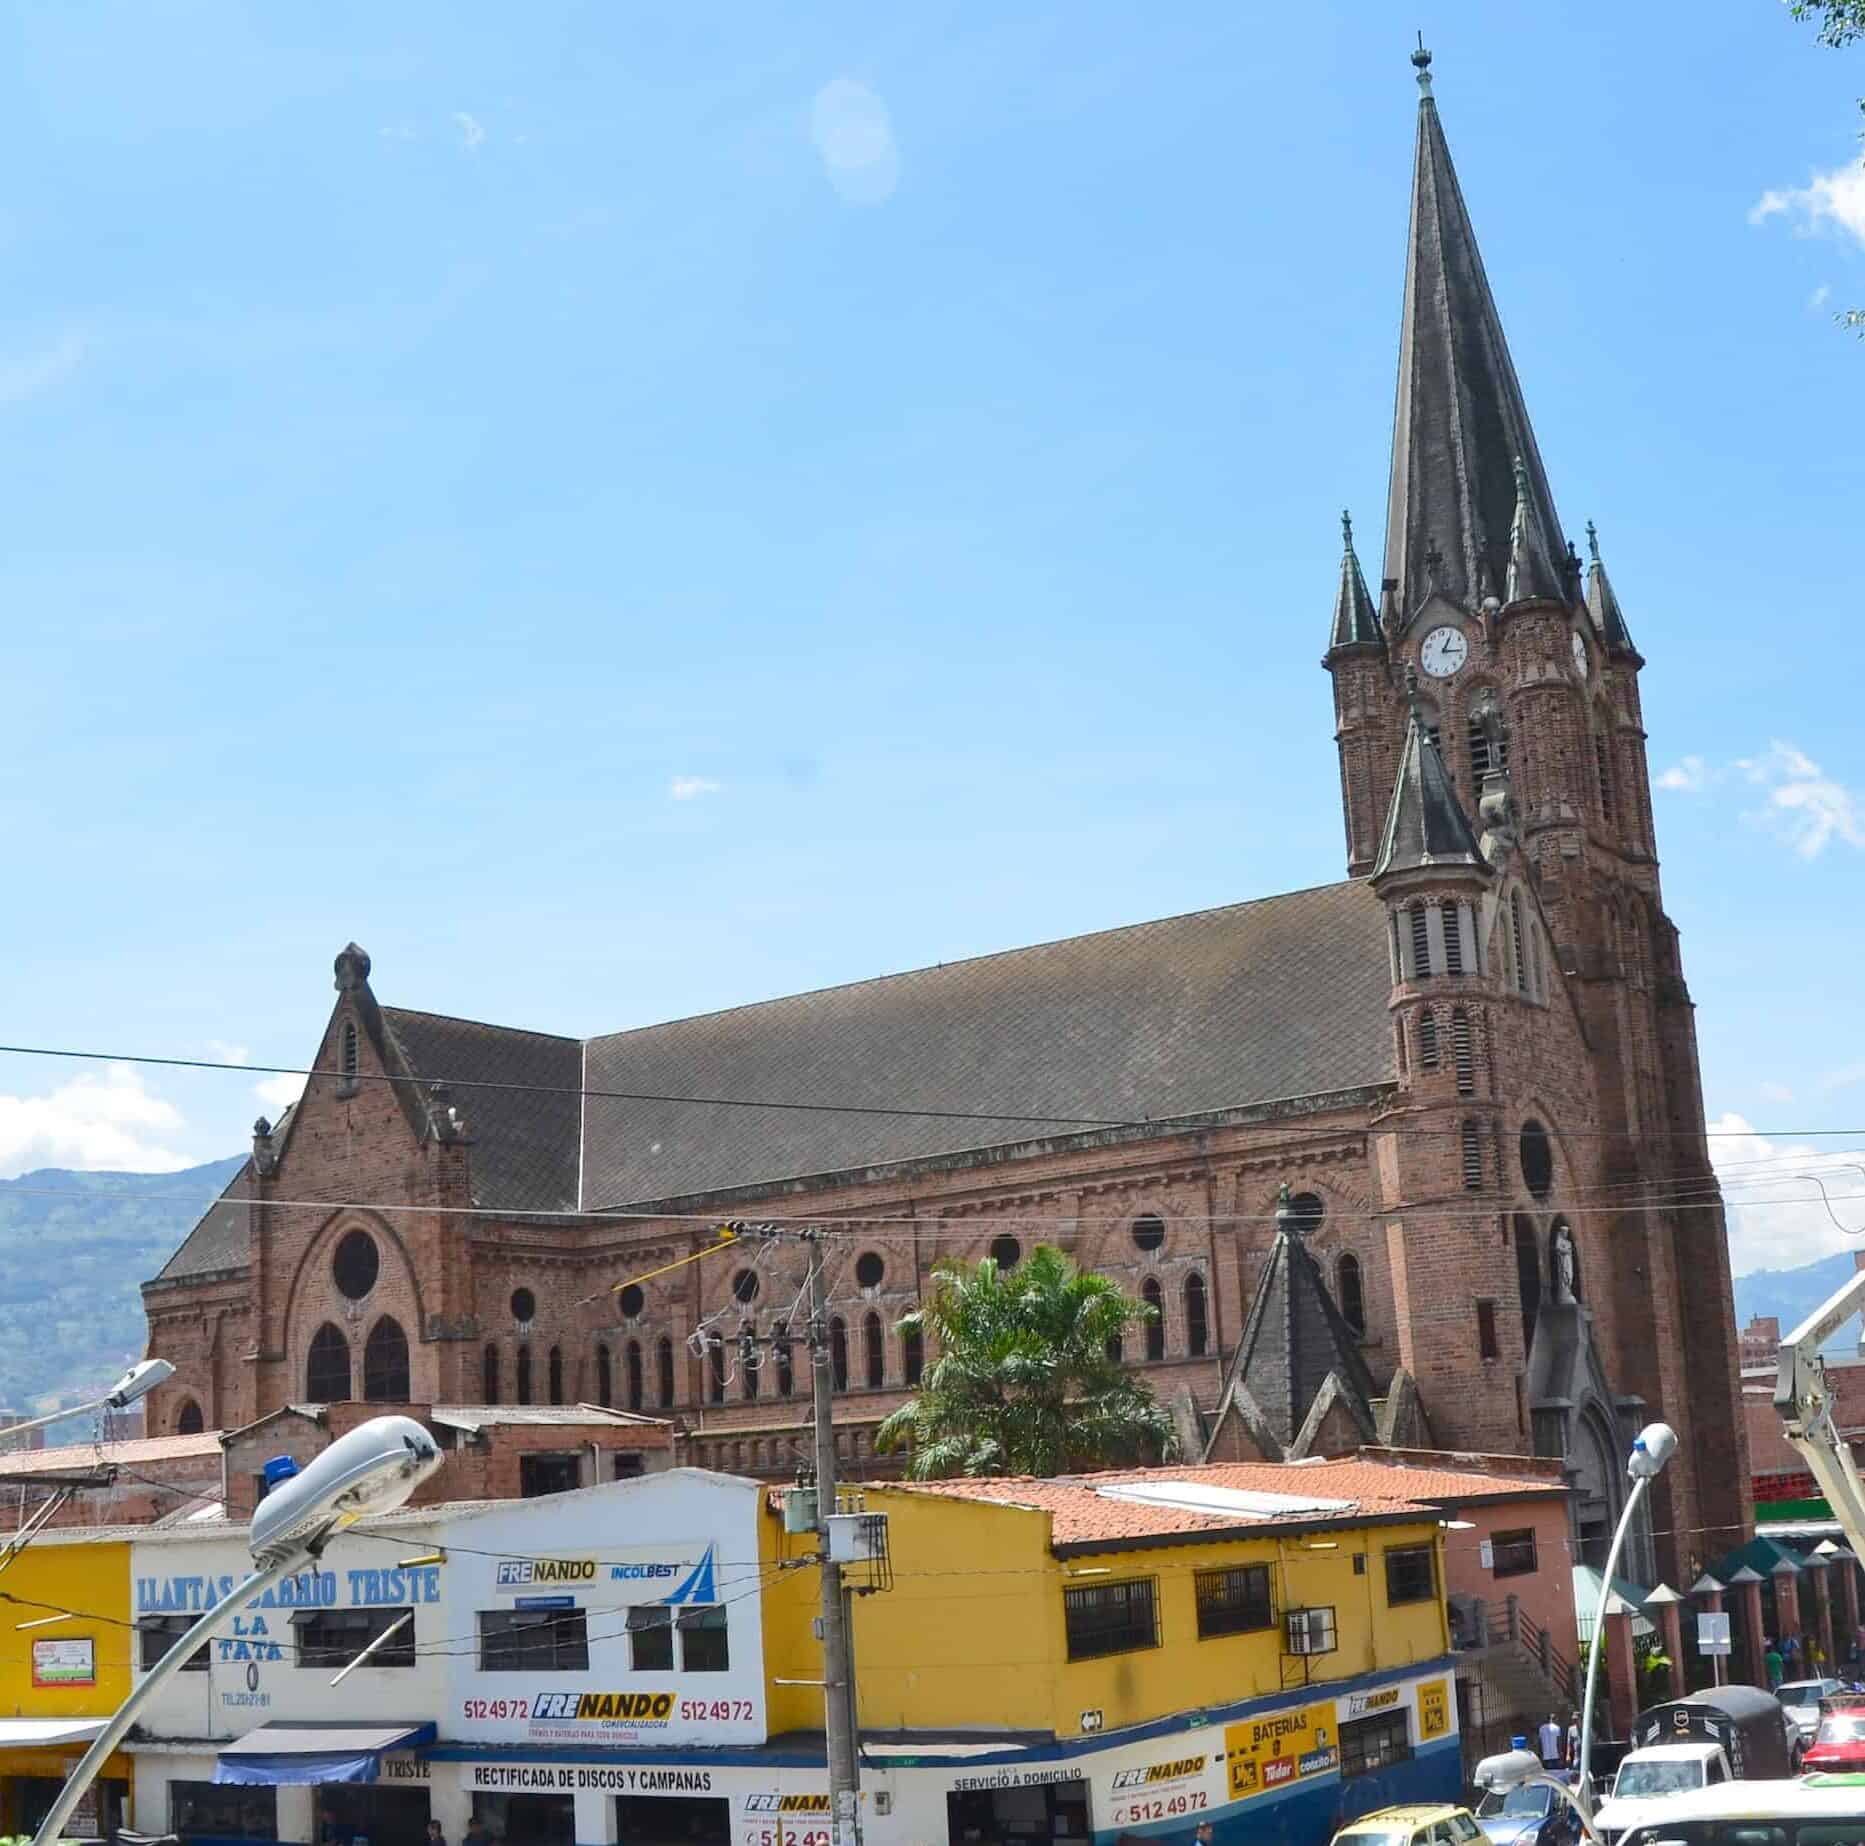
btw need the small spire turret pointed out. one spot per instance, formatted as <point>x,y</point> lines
<point>1356,621</point>
<point>1533,574</point>
<point>1603,605</point>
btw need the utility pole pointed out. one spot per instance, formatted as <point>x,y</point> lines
<point>838,1672</point>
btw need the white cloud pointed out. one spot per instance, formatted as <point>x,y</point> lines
<point>106,1122</point>
<point>472,130</point>
<point>1774,1092</point>
<point>690,788</point>
<point>1689,776</point>
<point>280,1092</point>
<point>1777,1216</point>
<point>21,379</point>
<point>1805,806</point>
<point>223,1053</point>
<point>854,135</point>
<point>1820,296</point>
<point>1828,201</point>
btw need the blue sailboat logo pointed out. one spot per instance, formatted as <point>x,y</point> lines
<point>696,1585</point>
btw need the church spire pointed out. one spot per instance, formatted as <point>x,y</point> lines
<point>1602,604</point>
<point>1426,825</point>
<point>1533,574</point>
<point>1460,422</point>
<point>1356,621</point>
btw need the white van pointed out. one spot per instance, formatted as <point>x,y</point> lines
<point>1647,1779</point>
<point>1817,1810</point>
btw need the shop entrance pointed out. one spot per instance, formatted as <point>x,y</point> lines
<point>362,1814</point>
<point>1052,1811</point>
<point>526,1820</point>
<point>673,1820</point>
<point>102,1812</point>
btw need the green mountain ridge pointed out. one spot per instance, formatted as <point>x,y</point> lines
<point>1790,1295</point>
<point>75,1249</point>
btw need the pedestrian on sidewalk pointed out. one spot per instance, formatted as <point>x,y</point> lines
<point>1550,1739</point>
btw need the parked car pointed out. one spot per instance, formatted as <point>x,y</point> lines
<point>1800,1698</point>
<point>1527,1817</point>
<point>1422,1824</point>
<point>1838,1746</point>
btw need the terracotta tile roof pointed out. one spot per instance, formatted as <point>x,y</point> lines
<point>138,1452</point>
<point>1081,1513</point>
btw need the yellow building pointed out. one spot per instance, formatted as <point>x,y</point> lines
<point>64,1668</point>
<point>1262,1646</point>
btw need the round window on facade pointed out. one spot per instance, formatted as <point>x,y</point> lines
<point>745,1285</point>
<point>524,1304</point>
<point>1537,1155</point>
<point>632,1301</point>
<point>1006,1252</point>
<point>355,1265</point>
<point>869,1269</point>
<point>1309,1211</point>
<point>1149,1233</point>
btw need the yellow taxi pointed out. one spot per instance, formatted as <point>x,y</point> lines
<point>1425,1824</point>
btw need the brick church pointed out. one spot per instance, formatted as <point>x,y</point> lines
<point>1425,1132</point>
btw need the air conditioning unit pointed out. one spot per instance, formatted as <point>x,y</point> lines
<point>1309,1631</point>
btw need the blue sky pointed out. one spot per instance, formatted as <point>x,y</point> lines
<point>625,510</point>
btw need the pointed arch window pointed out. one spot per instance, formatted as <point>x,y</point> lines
<point>1537,973</point>
<point>1515,941</point>
<point>554,1368</point>
<point>1398,956</point>
<point>749,1382</point>
<point>1482,754</point>
<point>786,1370</point>
<point>1463,1053</point>
<point>605,1377</point>
<point>189,1421</point>
<point>1427,1040</point>
<point>522,1383</point>
<point>1421,942</point>
<point>838,1353</point>
<point>489,1375</point>
<point>385,1363</point>
<point>715,1365</point>
<point>1347,1289</point>
<point>632,1370</point>
<point>1472,1157</point>
<point>874,1349</point>
<point>1398,1043</point>
<point>1527,1275</point>
<point>1197,1320</point>
<point>663,1371</point>
<point>327,1366</point>
<point>1155,1298</point>
<point>912,1354</point>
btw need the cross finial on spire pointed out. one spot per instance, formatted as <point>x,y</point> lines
<point>1421,62</point>
<point>1593,540</point>
<point>1346,530</point>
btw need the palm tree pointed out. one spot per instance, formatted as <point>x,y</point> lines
<point>1023,1382</point>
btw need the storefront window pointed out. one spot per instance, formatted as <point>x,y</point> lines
<point>702,1640</point>
<point>984,1817</point>
<point>365,1814</point>
<point>673,1820</point>
<point>158,1633</point>
<point>334,1637</point>
<point>209,1811</point>
<point>650,1640</point>
<point>527,1820</point>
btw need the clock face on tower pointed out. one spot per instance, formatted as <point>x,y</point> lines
<point>1444,651</point>
<point>1580,653</point>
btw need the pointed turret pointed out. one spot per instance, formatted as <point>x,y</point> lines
<point>1356,621</point>
<point>1298,1384</point>
<point>1425,823</point>
<point>1534,576</point>
<point>1461,422</point>
<point>1602,604</point>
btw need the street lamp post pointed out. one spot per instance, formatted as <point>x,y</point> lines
<point>1656,1444</point>
<point>1521,1768</point>
<point>371,1470</point>
<point>138,1381</point>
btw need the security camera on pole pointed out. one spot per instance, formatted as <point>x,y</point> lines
<point>371,1470</point>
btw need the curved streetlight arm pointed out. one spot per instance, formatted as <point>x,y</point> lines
<point>164,1669</point>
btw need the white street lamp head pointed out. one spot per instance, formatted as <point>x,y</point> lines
<point>1656,1444</point>
<point>373,1469</point>
<point>139,1381</point>
<point>1508,1770</point>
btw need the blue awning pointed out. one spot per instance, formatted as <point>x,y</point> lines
<point>274,1754</point>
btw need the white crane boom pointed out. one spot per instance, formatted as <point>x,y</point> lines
<point>1805,1407</point>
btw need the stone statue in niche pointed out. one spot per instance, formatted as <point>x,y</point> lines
<point>1563,1262</point>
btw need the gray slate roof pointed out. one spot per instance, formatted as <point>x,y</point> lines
<point>1284,997</point>
<point>1603,605</point>
<point>1425,823</point>
<point>1356,622</point>
<point>1461,421</point>
<point>220,1240</point>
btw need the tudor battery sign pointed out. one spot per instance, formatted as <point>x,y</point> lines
<point>1279,1748</point>
<point>1160,1791</point>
